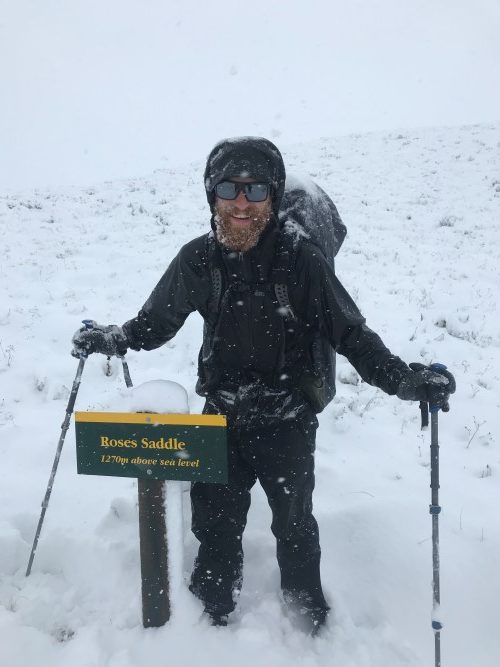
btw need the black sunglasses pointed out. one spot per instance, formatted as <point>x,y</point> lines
<point>254,192</point>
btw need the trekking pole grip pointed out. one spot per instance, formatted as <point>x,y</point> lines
<point>438,368</point>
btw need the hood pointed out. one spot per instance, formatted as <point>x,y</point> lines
<point>247,157</point>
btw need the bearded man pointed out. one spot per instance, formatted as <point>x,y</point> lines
<point>252,368</point>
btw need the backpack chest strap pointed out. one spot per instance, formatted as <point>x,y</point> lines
<point>279,276</point>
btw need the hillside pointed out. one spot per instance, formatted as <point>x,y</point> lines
<point>421,259</point>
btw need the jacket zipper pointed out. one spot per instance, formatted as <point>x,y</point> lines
<point>249,309</point>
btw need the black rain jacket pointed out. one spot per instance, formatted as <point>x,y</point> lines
<point>252,355</point>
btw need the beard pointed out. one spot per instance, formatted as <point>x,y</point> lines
<point>244,237</point>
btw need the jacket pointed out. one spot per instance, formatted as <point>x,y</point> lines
<point>253,356</point>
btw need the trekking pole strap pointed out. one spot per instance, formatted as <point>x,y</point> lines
<point>126,372</point>
<point>424,414</point>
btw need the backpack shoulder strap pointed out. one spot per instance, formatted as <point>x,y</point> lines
<point>215,268</point>
<point>284,257</point>
<point>283,263</point>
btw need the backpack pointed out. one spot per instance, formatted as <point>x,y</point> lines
<point>306,211</point>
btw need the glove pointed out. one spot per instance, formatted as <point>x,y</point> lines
<point>109,340</point>
<point>427,385</point>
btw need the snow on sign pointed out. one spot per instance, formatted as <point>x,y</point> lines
<point>152,446</point>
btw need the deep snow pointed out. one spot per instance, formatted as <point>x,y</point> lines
<point>421,258</point>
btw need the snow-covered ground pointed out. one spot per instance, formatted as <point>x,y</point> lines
<point>421,258</point>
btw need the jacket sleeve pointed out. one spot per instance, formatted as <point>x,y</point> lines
<point>179,292</point>
<point>324,304</point>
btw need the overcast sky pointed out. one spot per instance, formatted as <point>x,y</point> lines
<point>94,89</point>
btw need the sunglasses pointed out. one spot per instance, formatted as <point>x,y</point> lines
<point>254,192</point>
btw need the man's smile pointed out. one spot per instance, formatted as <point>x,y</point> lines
<point>241,219</point>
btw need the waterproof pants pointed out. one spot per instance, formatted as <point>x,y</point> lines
<point>282,459</point>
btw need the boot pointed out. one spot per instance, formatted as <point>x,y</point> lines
<point>215,619</point>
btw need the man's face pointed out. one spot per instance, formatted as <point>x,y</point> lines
<point>240,222</point>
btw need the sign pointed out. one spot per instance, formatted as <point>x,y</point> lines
<point>152,446</point>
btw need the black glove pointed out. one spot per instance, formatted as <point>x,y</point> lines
<point>427,385</point>
<point>109,340</point>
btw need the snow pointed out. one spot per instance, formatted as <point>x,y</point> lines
<point>109,109</point>
<point>301,182</point>
<point>430,290</point>
<point>160,396</point>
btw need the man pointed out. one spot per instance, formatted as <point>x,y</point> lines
<point>253,366</point>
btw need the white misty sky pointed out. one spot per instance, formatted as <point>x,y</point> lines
<point>94,90</point>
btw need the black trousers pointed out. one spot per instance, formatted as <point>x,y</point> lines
<point>282,459</point>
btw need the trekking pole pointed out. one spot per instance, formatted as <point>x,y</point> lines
<point>126,372</point>
<point>64,429</point>
<point>435,509</point>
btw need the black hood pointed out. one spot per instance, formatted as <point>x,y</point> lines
<point>250,157</point>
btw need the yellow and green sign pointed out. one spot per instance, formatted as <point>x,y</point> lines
<point>152,446</point>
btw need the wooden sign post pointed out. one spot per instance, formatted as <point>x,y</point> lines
<point>153,448</point>
<point>154,553</point>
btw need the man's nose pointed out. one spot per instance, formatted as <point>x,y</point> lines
<point>241,201</point>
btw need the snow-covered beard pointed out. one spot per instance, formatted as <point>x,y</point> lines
<point>241,238</point>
